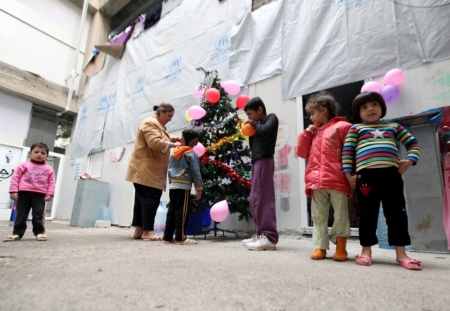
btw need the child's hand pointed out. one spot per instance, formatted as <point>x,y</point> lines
<point>48,198</point>
<point>404,165</point>
<point>198,196</point>
<point>311,128</point>
<point>14,196</point>
<point>351,179</point>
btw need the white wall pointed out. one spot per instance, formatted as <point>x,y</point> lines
<point>14,119</point>
<point>41,36</point>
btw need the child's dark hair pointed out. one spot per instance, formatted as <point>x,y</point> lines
<point>322,100</point>
<point>189,134</point>
<point>40,145</point>
<point>254,104</point>
<point>364,98</point>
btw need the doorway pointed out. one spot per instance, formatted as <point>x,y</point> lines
<point>344,95</point>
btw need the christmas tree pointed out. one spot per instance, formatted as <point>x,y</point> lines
<point>226,163</point>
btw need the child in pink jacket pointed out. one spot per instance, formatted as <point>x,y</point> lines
<point>321,145</point>
<point>32,184</point>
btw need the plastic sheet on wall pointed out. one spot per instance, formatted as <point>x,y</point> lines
<point>158,66</point>
<point>329,43</point>
<point>256,45</point>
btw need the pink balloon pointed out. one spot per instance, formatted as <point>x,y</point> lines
<point>390,93</point>
<point>199,149</point>
<point>231,87</point>
<point>212,95</point>
<point>393,76</point>
<point>219,211</point>
<point>196,112</point>
<point>198,92</point>
<point>371,86</point>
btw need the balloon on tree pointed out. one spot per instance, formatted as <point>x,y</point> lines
<point>231,87</point>
<point>199,149</point>
<point>225,164</point>
<point>212,95</point>
<point>196,112</point>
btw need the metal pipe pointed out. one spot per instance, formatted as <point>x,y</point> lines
<point>73,73</point>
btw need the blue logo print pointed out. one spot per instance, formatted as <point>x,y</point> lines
<point>174,71</point>
<point>112,101</point>
<point>348,5</point>
<point>138,88</point>
<point>101,110</point>
<point>223,43</point>
<point>83,115</point>
<point>222,54</point>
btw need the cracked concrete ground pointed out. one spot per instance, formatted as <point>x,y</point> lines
<point>104,269</point>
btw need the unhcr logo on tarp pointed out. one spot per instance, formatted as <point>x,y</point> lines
<point>83,115</point>
<point>112,101</point>
<point>174,71</point>
<point>138,88</point>
<point>101,110</point>
<point>347,5</point>
<point>223,48</point>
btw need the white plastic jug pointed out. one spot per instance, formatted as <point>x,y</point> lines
<point>160,218</point>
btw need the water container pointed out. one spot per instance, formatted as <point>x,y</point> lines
<point>106,213</point>
<point>206,218</point>
<point>160,219</point>
<point>382,232</point>
<point>194,225</point>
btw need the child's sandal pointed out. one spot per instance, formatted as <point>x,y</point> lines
<point>10,238</point>
<point>41,237</point>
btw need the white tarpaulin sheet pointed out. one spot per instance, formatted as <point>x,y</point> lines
<point>329,43</point>
<point>256,45</point>
<point>157,66</point>
<point>315,44</point>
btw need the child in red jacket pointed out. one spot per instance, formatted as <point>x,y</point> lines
<point>321,145</point>
<point>32,184</point>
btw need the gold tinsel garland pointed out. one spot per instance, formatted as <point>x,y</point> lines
<point>214,148</point>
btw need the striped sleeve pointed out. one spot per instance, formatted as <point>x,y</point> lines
<point>411,144</point>
<point>348,151</point>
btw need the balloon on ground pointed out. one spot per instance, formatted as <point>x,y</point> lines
<point>219,211</point>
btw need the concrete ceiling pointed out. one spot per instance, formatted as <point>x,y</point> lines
<point>120,13</point>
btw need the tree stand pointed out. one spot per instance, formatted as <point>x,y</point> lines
<point>215,228</point>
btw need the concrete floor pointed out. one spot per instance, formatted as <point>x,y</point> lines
<point>104,269</point>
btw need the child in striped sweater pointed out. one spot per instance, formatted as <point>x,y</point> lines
<point>370,151</point>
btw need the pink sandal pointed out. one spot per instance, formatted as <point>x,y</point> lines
<point>368,263</point>
<point>406,262</point>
